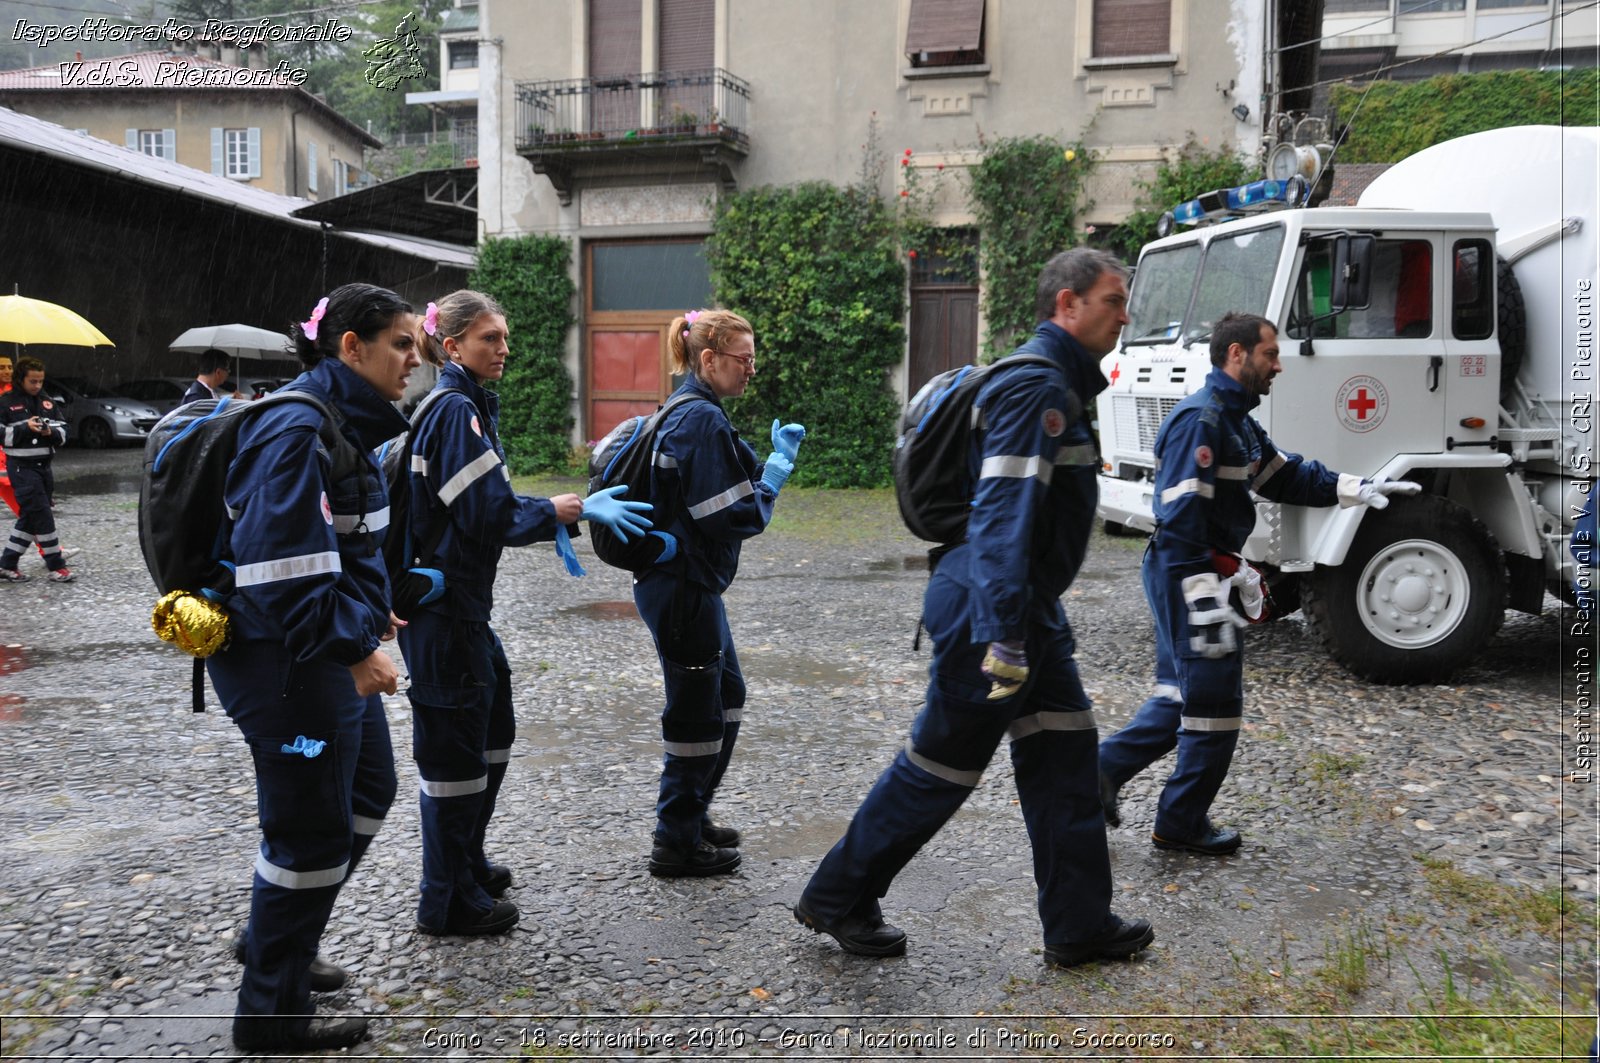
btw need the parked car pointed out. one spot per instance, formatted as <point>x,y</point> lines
<point>162,393</point>
<point>98,418</point>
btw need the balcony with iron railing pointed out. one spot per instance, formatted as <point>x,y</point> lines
<point>695,120</point>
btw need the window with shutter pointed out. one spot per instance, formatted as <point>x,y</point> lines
<point>616,39</point>
<point>687,46</point>
<point>1132,27</point>
<point>945,33</point>
<point>311,165</point>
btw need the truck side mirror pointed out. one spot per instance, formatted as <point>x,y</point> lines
<point>1352,272</point>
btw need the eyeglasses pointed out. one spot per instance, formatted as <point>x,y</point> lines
<point>746,360</point>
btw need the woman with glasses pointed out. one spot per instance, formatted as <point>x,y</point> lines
<point>711,494</point>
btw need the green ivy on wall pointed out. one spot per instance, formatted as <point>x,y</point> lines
<point>815,269</point>
<point>1194,170</point>
<point>1396,119</point>
<point>529,276</point>
<point>1027,194</point>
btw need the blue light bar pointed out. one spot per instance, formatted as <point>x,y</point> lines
<point>1224,203</point>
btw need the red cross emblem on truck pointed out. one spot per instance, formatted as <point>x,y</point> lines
<point>1362,403</point>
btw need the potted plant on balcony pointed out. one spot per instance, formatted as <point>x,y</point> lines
<point>713,122</point>
<point>680,120</point>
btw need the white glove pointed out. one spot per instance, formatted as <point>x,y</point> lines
<point>1251,596</point>
<point>1354,491</point>
<point>1211,618</point>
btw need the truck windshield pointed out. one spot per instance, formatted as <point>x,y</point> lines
<point>1160,295</point>
<point>1236,274</point>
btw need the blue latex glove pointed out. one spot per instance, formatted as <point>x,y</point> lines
<point>569,556</point>
<point>776,474</point>
<point>786,440</point>
<point>669,546</point>
<point>607,507</point>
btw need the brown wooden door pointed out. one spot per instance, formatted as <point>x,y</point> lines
<point>633,289</point>
<point>944,331</point>
<point>627,367</point>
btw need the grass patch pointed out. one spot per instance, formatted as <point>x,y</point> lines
<point>1488,903</point>
<point>1331,767</point>
<point>1271,1009</point>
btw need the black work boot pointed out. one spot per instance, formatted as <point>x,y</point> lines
<point>700,861</point>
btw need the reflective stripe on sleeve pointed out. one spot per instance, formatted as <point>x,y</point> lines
<point>1170,691</point>
<point>1025,726</point>
<point>743,489</point>
<point>693,749</point>
<point>300,880</point>
<point>283,568</point>
<point>1210,723</point>
<point>453,788</point>
<point>419,464</point>
<point>663,461</point>
<point>1233,472</point>
<point>1078,454</point>
<point>1266,474</point>
<point>968,779</point>
<point>1015,466</point>
<point>733,715</point>
<point>1192,486</point>
<point>27,452</point>
<point>468,476</point>
<point>497,756</point>
<point>368,825</point>
<point>376,521</point>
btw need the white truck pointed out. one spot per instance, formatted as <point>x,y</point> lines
<point>1441,331</point>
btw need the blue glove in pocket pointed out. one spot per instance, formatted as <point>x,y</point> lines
<point>669,546</point>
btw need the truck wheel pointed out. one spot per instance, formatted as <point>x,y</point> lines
<point>1513,320</point>
<point>1421,591</point>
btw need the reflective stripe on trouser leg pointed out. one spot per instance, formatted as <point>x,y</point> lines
<point>733,691</point>
<point>497,755</point>
<point>373,791</point>
<point>32,487</point>
<point>304,806</point>
<point>453,778</point>
<point>690,629</point>
<point>1213,700</point>
<point>1153,731</point>
<point>1054,745</point>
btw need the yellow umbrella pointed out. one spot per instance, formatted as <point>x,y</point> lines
<point>24,320</point>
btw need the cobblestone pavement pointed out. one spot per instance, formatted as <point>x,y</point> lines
<point>127,824</point>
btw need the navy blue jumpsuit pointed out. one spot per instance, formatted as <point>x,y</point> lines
<point>312,599</point>
<point>707,490</point>
<point>1029,530</point>
<point>1210,455</point>
<point>462,717</point>
<point>28,459</point>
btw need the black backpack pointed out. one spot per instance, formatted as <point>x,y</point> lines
<point>183,520</point>
<point>932,480</point>
<point>413,580</point>
<point>625,456</point>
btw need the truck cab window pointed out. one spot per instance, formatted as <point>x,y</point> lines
<point>1401,301</point>
<point>1472,291</point>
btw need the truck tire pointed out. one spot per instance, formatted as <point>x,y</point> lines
<point>1421,591</point>
<point>1513,322</point>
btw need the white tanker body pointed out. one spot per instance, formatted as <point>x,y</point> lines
<point>1441,331</point>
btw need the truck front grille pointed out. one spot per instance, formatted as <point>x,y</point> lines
<point>1138,419</point>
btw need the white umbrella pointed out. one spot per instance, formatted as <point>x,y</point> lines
<point>241,341</point>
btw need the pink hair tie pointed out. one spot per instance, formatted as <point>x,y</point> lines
<point>309,327</point>
<point>430,320</point>
<point>689,319</point>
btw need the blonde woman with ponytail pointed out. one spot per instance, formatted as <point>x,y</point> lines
<point>463,514</point>
<point>713,494</point>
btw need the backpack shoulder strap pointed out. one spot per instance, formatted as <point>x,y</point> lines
<point>429,403</point>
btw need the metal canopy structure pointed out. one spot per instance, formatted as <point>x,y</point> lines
<point>437,205</point>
